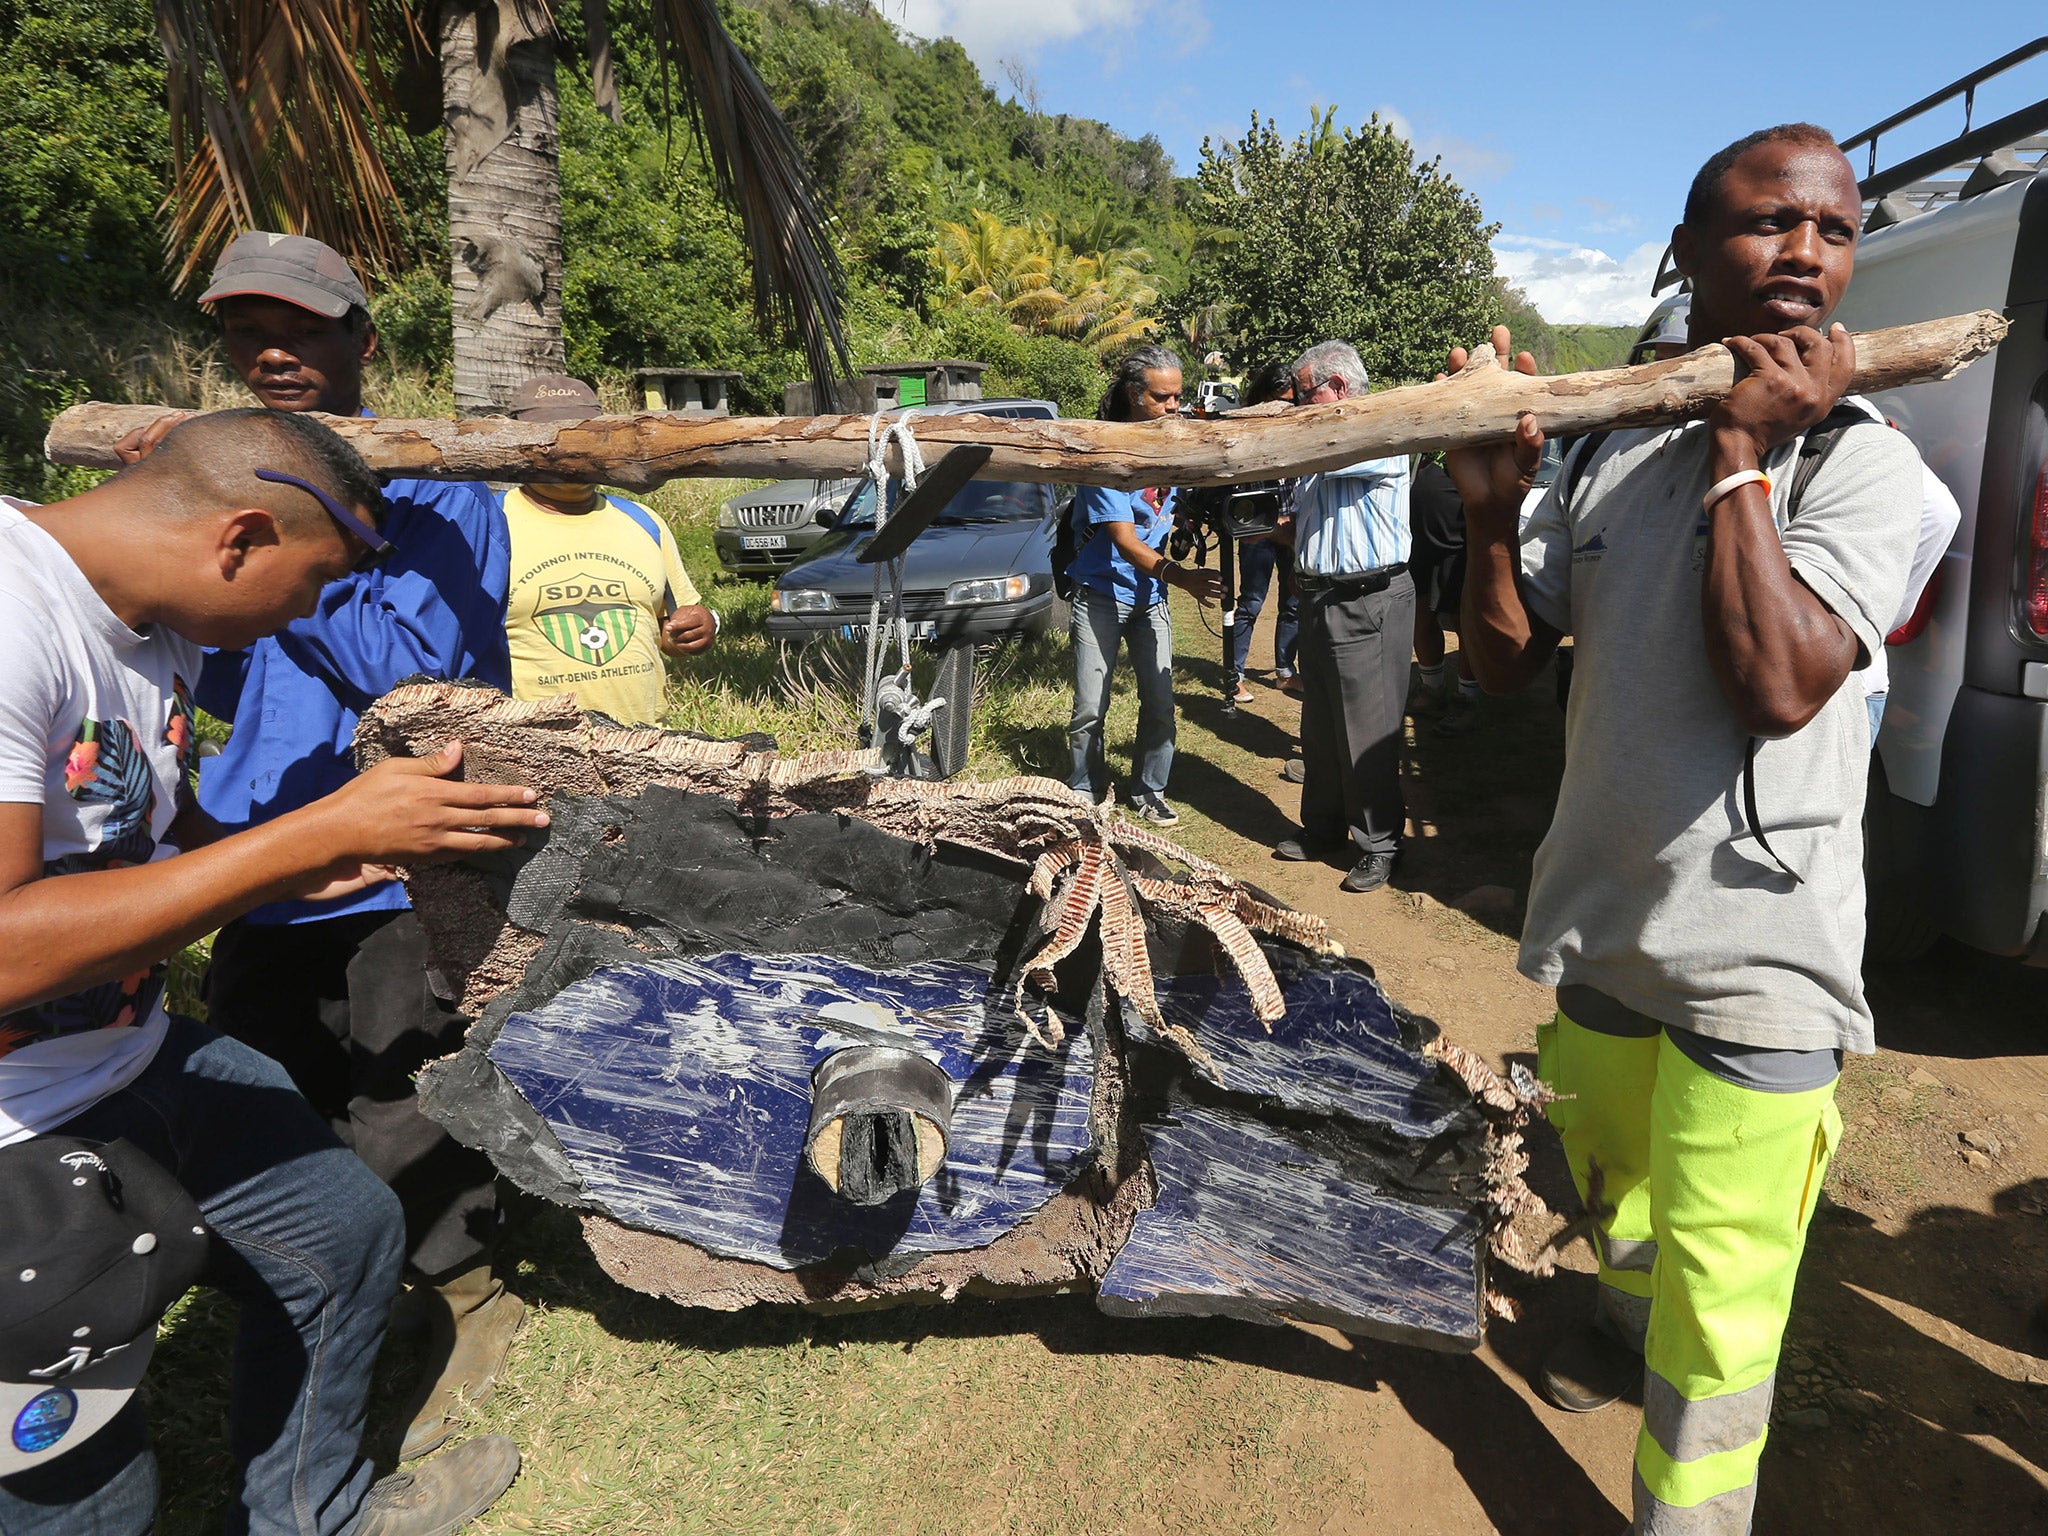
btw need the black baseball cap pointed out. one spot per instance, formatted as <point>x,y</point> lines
<point>96,1242</point>
<point>296,268</point>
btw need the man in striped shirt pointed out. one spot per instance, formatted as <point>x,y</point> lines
<point>1350,533</point>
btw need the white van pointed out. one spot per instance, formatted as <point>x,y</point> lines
<point>1958,812</point>
<point>1956,825</point>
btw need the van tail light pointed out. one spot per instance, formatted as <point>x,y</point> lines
<point>1916,621</point>
<point>2035,593</point>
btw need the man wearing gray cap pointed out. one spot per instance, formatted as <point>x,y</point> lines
<point>341,992</point>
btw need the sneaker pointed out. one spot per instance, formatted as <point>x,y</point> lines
<point>443,1493</point>
<point>1294,771</point>
<point>1588,1369</point>
<point>1369,873</point>
<point>1459,716</point>
<point>1154,810</point>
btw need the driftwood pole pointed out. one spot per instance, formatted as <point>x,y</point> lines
<point>1480,404</point>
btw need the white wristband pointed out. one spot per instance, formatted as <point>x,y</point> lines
<point>1735,481</point>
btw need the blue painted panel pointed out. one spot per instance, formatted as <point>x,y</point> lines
<point>680,1089</point>
<point>1336,1051</point>
<point>1252,1224</point>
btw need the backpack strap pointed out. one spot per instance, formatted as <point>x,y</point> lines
<point>1577,460</point>
<point>1818,444</point>
<point>1814,450</point>
<point>640,515</point>
<point>652,529</point>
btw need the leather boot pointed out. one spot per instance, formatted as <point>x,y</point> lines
<point>447,1493</point>
<point>471,1321</point>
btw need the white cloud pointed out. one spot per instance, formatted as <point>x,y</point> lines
<point>993,31</point>
<point>1577,285</point>
<point>1466,159</point>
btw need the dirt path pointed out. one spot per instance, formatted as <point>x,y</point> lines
<point>1913,1398</point>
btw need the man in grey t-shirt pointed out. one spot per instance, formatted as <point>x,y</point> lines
<point>1698,902</point>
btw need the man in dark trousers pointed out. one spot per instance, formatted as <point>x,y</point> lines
<point>1349,528</point>
<point>340,992</point>
<point>234,528</point>
<point>1698,900</point>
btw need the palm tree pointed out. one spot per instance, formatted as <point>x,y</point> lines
<point>282,112</point>
<point>1043,287</point>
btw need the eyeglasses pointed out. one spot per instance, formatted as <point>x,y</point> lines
<point>377,548</point>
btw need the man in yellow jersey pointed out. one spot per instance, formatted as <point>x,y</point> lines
<point>598,593</point>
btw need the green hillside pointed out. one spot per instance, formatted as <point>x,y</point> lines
<point>969,223</point>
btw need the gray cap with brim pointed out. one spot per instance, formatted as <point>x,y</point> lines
<point>295,268</point>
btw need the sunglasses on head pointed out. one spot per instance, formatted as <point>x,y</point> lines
<point>376,548</point>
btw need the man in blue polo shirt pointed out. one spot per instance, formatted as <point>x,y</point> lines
<point>341,992</point>
<point>1350,532</point>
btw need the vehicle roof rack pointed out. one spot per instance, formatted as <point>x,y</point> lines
<point>2010,148</point>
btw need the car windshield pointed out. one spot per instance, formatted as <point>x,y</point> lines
<point>981,501</point>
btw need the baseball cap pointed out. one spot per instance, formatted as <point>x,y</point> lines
<point>96,1241</point>
<point>555,397</point>
<point>296,268</point>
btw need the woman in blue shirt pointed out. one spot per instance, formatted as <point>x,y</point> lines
<point>1120,579</point>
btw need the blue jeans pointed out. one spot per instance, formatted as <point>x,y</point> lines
<point>1874,703</point>
<point>307,1239</point>
<point>1258,561</point>
<point>1099,620</point>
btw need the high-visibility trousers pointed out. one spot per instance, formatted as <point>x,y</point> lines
<point>1706,1188</point>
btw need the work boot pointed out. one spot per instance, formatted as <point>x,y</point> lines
<point>1589,1368</point>
<point>472,1318</point>
<point>443,1495</point>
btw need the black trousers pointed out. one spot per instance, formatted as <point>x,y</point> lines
<point>1353,665</point>
<point>347,1008</point>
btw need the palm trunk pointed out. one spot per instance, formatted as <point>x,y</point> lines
<point>504,200</point>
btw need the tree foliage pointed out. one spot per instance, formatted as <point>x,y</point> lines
<point>1340,235</point>
<point>1033,278</point>
<point>1562,348</point>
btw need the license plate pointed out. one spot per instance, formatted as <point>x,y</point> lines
<point>764,541</point>
<point>923,629</point>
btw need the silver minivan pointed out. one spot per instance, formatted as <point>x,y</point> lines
<point>763,532</point>
<point>1957,819</point>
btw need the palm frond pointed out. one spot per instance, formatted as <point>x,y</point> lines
<point>277,112</point>
<point>761,172</point>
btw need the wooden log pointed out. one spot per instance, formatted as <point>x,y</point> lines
<point>1480,404</point>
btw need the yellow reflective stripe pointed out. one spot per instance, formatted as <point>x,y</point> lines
<point>1695,1482</point>
<point>1688,1429</point>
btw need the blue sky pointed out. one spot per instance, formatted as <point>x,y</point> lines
<point>1577,125</point>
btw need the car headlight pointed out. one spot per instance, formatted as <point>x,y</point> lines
<point>989,589</point>
<point>801,600</point>
<point>728,518</point>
